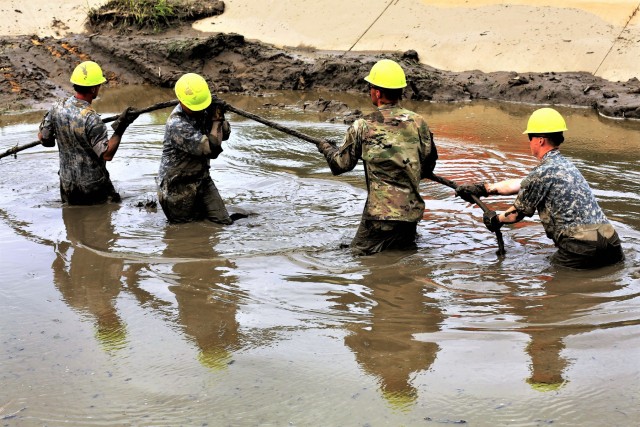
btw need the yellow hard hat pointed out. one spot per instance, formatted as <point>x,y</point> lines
<point>544,387</point>
<point>193,91</point>
<point>88,73</point>
<point>215,359</point>
<point>387,74</point>
<point>545,120</point>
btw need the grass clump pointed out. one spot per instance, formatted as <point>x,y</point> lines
<point>155,14</point>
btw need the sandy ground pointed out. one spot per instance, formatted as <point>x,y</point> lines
<point>599,37</point>
<point>455,35</point>
<point>44,18</point>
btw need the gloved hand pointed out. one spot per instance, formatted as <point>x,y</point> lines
<point>491,221</point>
<point>226,130</point>
<point>123,121</point>
<point>465,191</point>
<point>216,150</point>
<point>216,110</point>
<point>220,131</point>
<point>213,113</point>
<point>325,147</point>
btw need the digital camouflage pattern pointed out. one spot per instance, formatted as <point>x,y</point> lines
<point>564,201</point>
<point>569,213</point>
<point>397,149</point>
<point>82,139</point>
<point>186,191</point>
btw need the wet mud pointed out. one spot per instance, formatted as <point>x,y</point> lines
<point>112,316</point>
<point>35,70</point>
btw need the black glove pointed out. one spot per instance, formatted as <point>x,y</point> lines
<point>214,112</point>
<point>466,191</point>
<point>491,221</point>
<point>226,130</point>
<point>326,146</point>
<point>123,121</point>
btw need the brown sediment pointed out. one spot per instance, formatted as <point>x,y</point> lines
<point>35,71</point>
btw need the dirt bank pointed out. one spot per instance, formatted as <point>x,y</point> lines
<point>35,70</point>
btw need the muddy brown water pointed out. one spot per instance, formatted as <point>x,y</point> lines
<point>112,317</point>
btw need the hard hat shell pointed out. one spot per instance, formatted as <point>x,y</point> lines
<point>87,73</point>
<point>545,120</point>
<point>193,91</point>
<point>387,74</point>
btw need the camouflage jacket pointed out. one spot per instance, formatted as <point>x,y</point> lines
<point>82,139</point>
<point>565,203</point>
<point>187,149</point>
<point>397,150</point>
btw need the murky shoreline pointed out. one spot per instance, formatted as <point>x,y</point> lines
<point>110,316</point>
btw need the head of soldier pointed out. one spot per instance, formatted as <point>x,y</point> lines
<point>386,82</point>
<point>193,93</point>
<point>87,78</point>
<point>545,131</point>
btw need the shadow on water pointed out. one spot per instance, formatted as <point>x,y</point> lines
<point>268,321</point>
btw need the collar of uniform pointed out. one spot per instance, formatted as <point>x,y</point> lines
<point>550,153</point>
<point>388,106</point>
<point>75,100</point>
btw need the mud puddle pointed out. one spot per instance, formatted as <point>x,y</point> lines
<point>111,316</point>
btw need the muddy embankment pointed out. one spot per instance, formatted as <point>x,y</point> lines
<point>35,71</point>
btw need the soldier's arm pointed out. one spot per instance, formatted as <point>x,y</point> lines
<point>345,158</point>
<point>46,134</point>
<point>112,147</point>
<point>185,137</point>
<point>504,188</point>
<point>97,135</point>
<point>510,216</point>
<point>428,162</point>
<point>529,196</point>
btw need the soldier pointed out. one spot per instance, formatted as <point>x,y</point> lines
<point>83,145</point>
<point>193,135</point>
<point>566,205</point>
<point>397,150</point>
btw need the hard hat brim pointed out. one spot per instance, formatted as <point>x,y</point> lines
<point>552,130</point>
<point>368,80</point>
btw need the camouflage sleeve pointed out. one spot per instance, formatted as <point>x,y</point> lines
<point>47,131</point>
<point>346,157</point>
<point>185,137</point>
<point>531,194</point>
<point>96,132</point>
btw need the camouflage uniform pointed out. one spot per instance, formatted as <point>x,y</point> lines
<point>186,191</point>
<point>569,213</point>
<point>82,139</point>
<point>397,150</point>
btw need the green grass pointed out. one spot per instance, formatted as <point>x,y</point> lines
<point>154,14</point>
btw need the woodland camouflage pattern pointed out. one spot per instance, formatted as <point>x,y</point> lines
<point>397,149</point>
<point>82,139</point>
<point>565,203</point>
<point>186,191</point>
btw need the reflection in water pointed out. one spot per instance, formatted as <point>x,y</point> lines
<point>91,277</point>
<point>204,289</point>
<point>86,276</point>
<point>419,332</point>
<point>385,346</point>
<point>554,315</point>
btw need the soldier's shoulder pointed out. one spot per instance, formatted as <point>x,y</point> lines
<point>411,115</point>
<point>373,117</point>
